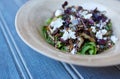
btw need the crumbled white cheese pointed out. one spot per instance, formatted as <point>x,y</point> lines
<point>58,12</point>
<point>80,12</point>
<point>105,38</point>
<point>56,24</point>
<point>99,35</point>
<point>114,38</point>
<point>101,24</point>
<point>83,13</point>
<point>109,44</point>
<point>74,45</point>
<point>79,38</point>
<point>93,29</point>
<point>88,16</point>
<point>72,17</point>
<point>107,20</point>
<point>68,34</point>
<point>65,35</point>
<point>73,10</point>
<point>73,51</point>
<point>103,31</point>
<point>98,25</point>
<point>74,22</point>
<point>71,34</point>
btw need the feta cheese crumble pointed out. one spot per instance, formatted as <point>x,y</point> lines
<point>74,22</point>
<point>72,17</point>
<point>58,12</point>
<point>83,13</point>
<point>56,24</point>
<point>93,29</point>
<point>73,51</point>
<point>99,35</point>
<point>103,31</point>
<point>68,34</point>
<point>114,39</point>
<point>65,35</point>
<point>88,16</point>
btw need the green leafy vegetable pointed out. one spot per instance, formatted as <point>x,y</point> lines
<point>90,48</point>
<point>49,21</point>
<point>59,45</point>
<point>60,16</point>
<point>46,36</point>
<point>109,26</point>
<point>63,48</point>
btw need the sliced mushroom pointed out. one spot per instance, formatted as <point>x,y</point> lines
<point>80,42</point>
<point>49,34</point>
<point>87,37</point>
<point>71,45</point>
<point>108,33</point>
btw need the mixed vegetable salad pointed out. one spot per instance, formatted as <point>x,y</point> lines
<point>79,31</point>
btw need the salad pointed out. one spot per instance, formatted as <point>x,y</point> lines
<point>77,30</point>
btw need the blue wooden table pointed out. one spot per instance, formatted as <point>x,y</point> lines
<point>18,61</point>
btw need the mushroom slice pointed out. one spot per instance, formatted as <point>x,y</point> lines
<point>80,42</point>
<point>49,34</point>
<point>71,45</point>
<point>87,37</point>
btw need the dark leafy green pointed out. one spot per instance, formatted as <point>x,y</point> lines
<point>109,26</point>
<point>90,48</point>
<point>46,36</point>
<point>49,21</point>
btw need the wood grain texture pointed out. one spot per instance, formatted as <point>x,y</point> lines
<point>99,73</point>
<point>8,69</point>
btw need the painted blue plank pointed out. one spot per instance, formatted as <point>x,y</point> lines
<point>17,61</point>
<point>7,66</point>
<point>99,73</point>
<point>39,66</point>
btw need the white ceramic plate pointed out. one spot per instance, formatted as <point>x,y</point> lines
<point>33,14</point>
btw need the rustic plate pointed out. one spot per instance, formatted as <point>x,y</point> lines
<point>33,14</point>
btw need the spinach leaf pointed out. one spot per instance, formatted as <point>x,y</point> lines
<point>49,21</point>
<point>46,36</point>
<point>90,48</point>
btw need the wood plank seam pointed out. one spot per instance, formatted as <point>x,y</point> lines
<point>69,70</point>
<point>15,46</point>
<point>18,67</point>
<point>76,71</point>
<point>118,67</point>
